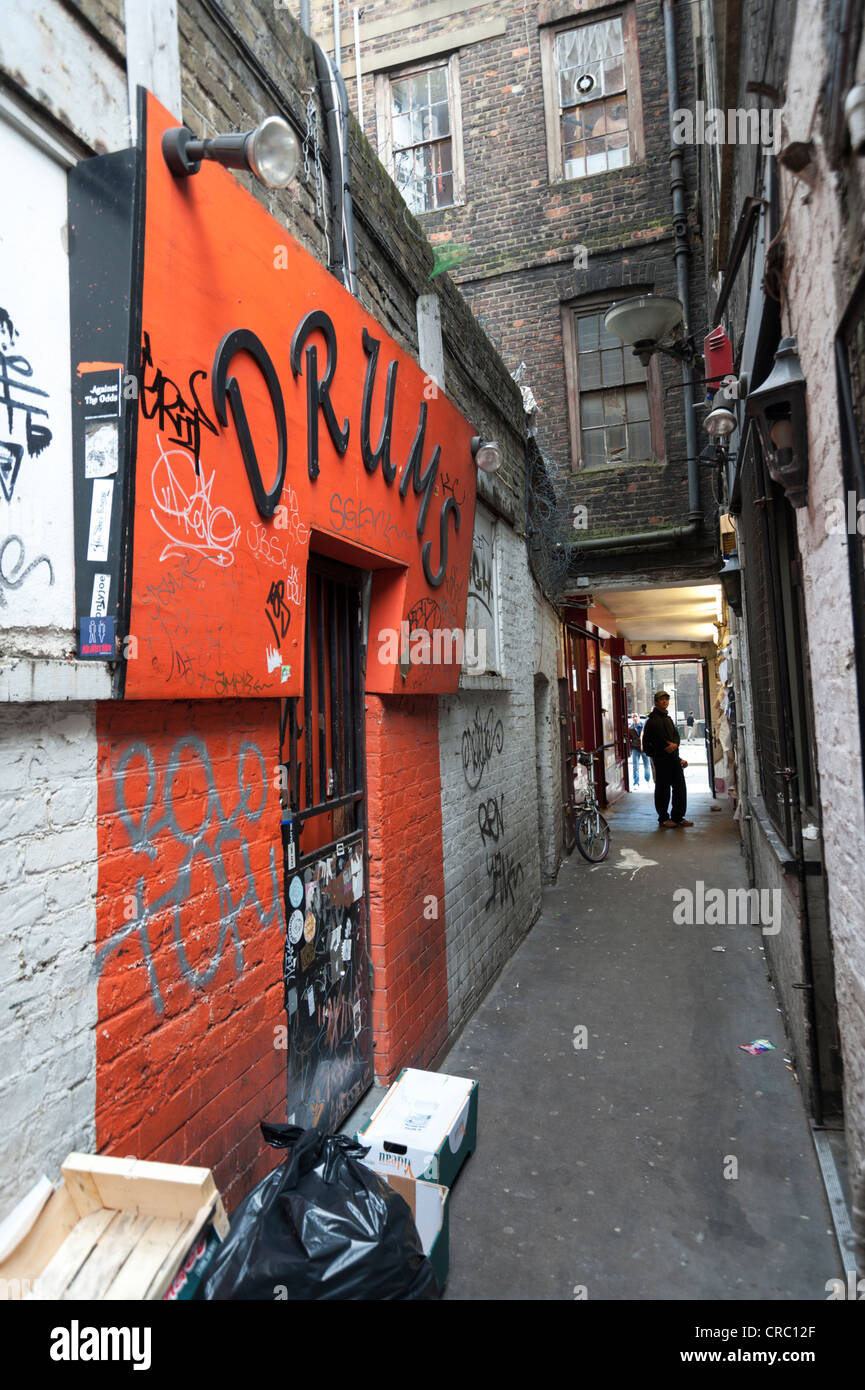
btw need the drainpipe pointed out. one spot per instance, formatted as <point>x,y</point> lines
<point>655,536</point>
<point>304,16</point>
<point>682,254</point>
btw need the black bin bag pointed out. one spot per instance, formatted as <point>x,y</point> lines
<point>322,1225</point>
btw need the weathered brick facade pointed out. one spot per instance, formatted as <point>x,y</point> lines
<point>512,246</point>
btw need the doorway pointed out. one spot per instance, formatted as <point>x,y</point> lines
<point>326,965</point>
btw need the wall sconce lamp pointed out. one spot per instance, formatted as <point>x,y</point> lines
<point>720,422</point>
<point>778,410</point>
<point>731,582</point>
<point>646,321</point>
<point>487,454</point>
<point>271,152</point>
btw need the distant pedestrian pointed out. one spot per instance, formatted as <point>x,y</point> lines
<point>661,742</point>
<point>690,724</point>
<point>635,741</point>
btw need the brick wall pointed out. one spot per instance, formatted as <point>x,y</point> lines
<point>172,975</point>
<point>190,935</point>
<point>407,895</point>
<point>48,886</point>
<point>489,803</point>
<point>515,236</point>
<point>819,265</point>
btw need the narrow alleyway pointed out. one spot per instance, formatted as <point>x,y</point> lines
<point>603,1168</point>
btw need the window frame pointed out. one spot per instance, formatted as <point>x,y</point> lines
<point>384,128</point>
<point>552,110</point>
<point>654,388</point>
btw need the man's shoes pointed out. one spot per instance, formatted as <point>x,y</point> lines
<point>682,822</point>
<point>667,824</point>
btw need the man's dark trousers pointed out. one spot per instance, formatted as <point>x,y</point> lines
<point>670,775</point>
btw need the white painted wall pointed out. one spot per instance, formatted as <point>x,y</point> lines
<point>815,300</point>
<point>492,861</point>
<point>47,52</point>
<point>36,554</point>
<point>47,933</point>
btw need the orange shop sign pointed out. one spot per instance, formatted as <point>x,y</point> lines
<point>275,417</point>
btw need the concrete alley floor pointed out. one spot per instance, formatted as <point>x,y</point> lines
<point>602,1168</point>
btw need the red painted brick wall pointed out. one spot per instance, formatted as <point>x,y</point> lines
<point>190,933</point>
<point>410,997</point>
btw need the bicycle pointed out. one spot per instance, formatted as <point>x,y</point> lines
<point>585,827</point>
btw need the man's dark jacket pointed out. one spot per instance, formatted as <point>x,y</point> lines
<point>658,731</point>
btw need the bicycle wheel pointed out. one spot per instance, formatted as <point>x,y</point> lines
<point>569,834</point>
<point>593,836</point>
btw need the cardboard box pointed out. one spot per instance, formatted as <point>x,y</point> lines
<point>425,1128</point>
<point>115,1229</point>
<point>429,1207</point>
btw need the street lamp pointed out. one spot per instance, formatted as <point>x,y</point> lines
<point>778,410</point>
<point>731,582</point>
<point>644,321</point>
<point>271,152</point>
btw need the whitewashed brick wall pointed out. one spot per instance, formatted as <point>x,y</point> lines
<point>486,916</point>
<point>48,871</point>
<point>817,288</point>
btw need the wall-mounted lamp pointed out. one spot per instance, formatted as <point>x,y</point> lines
<point>645,321</point>
<point>778,410</point>
<point>487,454</point>
<point>731,582</point>
<point>271,152</point>
<point>720,422</point>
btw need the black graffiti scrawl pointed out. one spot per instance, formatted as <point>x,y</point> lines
<point>22,412</point>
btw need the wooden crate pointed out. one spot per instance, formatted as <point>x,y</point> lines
<point>114,1228</point>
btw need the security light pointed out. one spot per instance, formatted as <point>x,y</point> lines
<point>487,454</point>
<point>271,152</point>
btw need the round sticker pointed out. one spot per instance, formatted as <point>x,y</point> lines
<point>308,927</point>
<point>295,891</point>
<point>295,927</point>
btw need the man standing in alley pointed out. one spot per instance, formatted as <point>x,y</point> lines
<point>661,742</point>
<point>635,730</point>
<point>690,723</point>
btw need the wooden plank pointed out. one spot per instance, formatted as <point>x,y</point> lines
<point>57,1218</point>
<point>158,1286</point>
<point>62,1268</point>
<point>144,1262</point>
<point>426,48</point>
<point>158,1189</point>
<point>81,1184</point>
<point>105,1260</point>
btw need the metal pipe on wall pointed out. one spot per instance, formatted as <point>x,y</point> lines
<point>682,255</point>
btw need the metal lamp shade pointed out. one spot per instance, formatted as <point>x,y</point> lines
<point>778,406</point>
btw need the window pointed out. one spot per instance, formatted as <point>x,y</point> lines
<point>613,400</point>
<point>592,96</point>
<point>419,133</point>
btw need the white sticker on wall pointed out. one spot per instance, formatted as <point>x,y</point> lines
<point>101,590</point>
<point>346,950</point>
<point>292,1002</point>
<point>100,449</point>
<point>295,927</point>
<point>100,519</point>
<point>310,1000</point>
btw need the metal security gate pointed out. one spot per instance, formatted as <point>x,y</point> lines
<point>326,968</point>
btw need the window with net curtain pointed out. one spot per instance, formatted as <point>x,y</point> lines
<point>593,98</point>
<point>613,395</point>
<point>423,139</point>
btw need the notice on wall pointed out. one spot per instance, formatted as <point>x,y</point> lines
<point>100,519</point>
